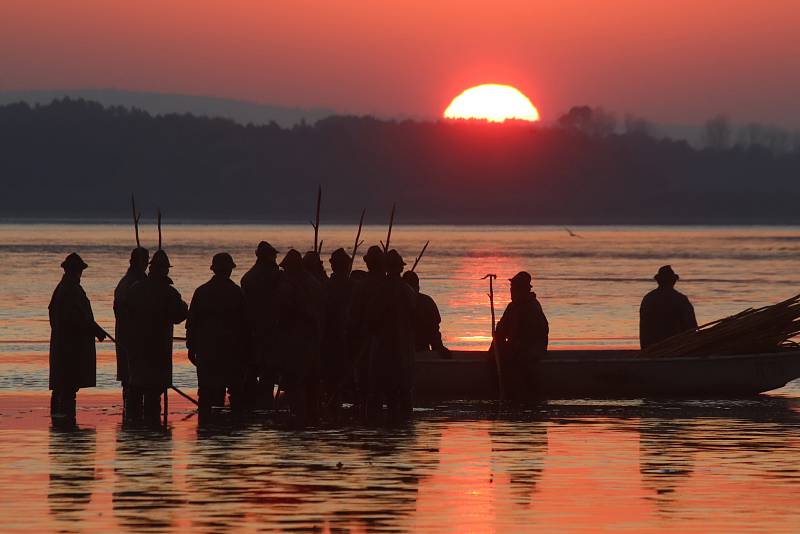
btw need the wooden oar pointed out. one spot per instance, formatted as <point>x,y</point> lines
<point>500,382</point>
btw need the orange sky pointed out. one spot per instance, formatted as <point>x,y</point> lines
<point>669,60</point>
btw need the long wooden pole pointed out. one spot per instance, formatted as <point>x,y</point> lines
<point>315,224</point>
<point>416,262</point>
<point>159,228</point>
<point>500,382</point>
<point>136,217</point>
<point>389,234</point>
<point>358,241</point>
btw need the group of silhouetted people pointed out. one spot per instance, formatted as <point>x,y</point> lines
<point>319,338</point>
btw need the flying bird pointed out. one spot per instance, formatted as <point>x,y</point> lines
<point>571,233</point>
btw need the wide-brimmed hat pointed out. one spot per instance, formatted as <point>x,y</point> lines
<point>160,259</point>
<point>265,249</point>
<point>665,272</point>
<point>374,253</point>
<point>522,278</point>
<point>339,256</point>
<point>222,261</point>
<point>139,254</point>
<point>73,262</point>
<point>394,259</point>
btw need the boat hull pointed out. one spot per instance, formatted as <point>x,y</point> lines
<point>471,375</point>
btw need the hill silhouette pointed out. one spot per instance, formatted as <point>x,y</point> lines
<point>74,158</point>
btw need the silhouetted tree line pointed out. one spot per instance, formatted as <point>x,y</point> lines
<point>74,158</point>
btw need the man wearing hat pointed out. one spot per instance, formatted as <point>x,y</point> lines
<point>664,311</point>
<point>336,357</point>
<point>522,334</point>
<point>155,306</point>
<point>217,337</point>
<point>391,355</point>
<point>73,360</point>
<point>300,330</point>
<point>137,271</point>
<point>365,290</point>
<point>260,287</point>
<point>427,319</point>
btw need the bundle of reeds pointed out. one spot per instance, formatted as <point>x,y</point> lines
<point>752,331</point>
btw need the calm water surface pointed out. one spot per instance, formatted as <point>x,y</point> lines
<point>640,466</point>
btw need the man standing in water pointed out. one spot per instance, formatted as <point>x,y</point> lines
<point>155,307</point>
<point>522,335</point>
<point>260,287</point>
<point>216,336</point>
<point>390,319</point>
<point>73,359</point>
<point>664,311</point>
<point>137,271</point>
<point>336,356</point>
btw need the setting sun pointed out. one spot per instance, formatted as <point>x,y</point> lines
<point>492,102</point>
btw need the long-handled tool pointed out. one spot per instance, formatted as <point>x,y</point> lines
<point>416,262</point>
<point>317,244</point>
<point>500,382</point>
<point>358,241</point>
<point>389,234</point>
<point>136,217</point>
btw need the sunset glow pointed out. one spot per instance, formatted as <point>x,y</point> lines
<point>492,102</point>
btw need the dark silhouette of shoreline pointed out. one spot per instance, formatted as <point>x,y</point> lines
<point>77,159</point>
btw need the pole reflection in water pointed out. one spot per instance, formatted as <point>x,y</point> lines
<point>145,497</point>
<point>72,478</point>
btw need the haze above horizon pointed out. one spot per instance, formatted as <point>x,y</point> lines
<point>671,62</point>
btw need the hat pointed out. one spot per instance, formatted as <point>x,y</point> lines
<point>292,261</point>
<point>222,261</point>
<point>265,249</point>
<point>394,259</point>
<point>521,278</point>
<point>665,272</point>
<point>73,262</point>
<point>339,256</point>
<point>374,253</point>
<point>160,259</point>
<point>140,253</point>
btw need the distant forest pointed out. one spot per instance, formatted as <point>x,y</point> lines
<point>74,158</point>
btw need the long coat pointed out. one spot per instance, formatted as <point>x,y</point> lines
<point>300,326</point>
<point>664,312</point>
<point>390,323</point>
<point>122,327</point>
<point>335,351</point>
<point>73,360</point>
<point>260,286</point>
<point>155,307</point>
<point>217,332</point>
<point>523,329</point>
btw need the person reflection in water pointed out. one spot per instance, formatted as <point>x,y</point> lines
<point>522,334</point>
<point>664,311</point>
<point>72,473</point>
<point>217,338</point>
<point>73,358</point>
<point>427,319</point>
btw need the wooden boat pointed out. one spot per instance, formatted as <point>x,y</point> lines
<point>575,374</point>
